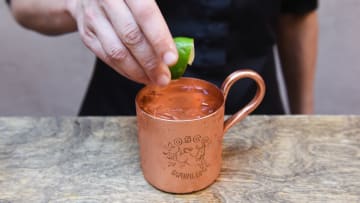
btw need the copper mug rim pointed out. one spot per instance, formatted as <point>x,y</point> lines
<point>185,120</point>
<point>224,90</point>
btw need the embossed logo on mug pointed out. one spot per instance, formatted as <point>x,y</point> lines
<point>187,156</point>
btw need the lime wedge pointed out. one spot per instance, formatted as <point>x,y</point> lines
<point>186,50</point>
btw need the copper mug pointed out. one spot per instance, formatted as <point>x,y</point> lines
<point>184,155</point>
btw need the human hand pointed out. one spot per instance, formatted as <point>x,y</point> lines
<point>131,36</point>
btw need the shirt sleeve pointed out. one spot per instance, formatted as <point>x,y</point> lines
<point>298,6</point>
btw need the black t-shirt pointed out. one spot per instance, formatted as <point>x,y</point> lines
<point>229,35</point>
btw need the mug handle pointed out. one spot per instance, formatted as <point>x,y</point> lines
<point>251,106</point>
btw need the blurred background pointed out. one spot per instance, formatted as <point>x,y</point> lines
<point>48,76</point>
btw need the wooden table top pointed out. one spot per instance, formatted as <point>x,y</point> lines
<point>265,159</point>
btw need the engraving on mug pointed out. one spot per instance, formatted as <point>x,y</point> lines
<point>187,154</point>
<point>187,175</point>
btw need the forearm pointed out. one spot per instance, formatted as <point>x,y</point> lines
<point>45,16</point>
<point>297,44</point>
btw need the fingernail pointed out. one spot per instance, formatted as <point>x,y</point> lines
<point>170,58</point>
<point>163,80</point>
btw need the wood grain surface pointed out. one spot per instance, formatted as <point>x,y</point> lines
<point>265,159</point>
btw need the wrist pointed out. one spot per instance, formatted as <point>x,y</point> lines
<point>59,18</point>
<point>46,17</point>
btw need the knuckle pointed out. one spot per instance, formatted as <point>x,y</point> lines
<point>150,63</point>
<point>118,54</point>
<point>87,37</point>
<point>132,35</point>
<point>159,42</point>
<point>90,15</point>
<point>145,13</point>
<point>105,3</point>
<point>88,34</point>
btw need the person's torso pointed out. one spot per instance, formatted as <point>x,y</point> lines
<point>229,35</point>
<point>226,32</point>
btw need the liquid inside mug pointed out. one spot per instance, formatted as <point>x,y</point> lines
<point>181,127</point>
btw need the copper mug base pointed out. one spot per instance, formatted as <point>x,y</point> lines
<point>184,155</point>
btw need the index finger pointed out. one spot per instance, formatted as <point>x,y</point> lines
<point>148,16</point>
